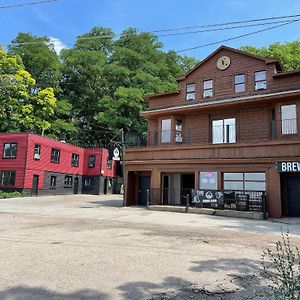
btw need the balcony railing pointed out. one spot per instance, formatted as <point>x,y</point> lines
<point>227,134</point>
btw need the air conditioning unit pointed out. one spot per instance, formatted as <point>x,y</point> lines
<point>37,156</point>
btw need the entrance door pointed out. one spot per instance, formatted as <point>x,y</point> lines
<point>76,183</point>
<point>293,192</point>
<point>35,185</point>
<point>144,185</point>
<point>166,185</point>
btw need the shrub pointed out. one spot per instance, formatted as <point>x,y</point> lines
<point>4,195</point>
<point>282,267</point>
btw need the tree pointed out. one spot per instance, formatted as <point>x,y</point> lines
<point>23,106</point>
<point>288,53</point>
<point>39,58</point>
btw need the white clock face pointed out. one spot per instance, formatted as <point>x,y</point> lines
<point>223,63</point>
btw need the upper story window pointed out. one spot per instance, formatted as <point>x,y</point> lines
<point>207,88</point>
<point>55,155</point>
<point>289,119</point>
<point>166,131</point>
<point>92,161</point>
<point>178,131</point>
<point>239,83</point>
<point>7,178</point>
<point>190,91</point>
<point>75,160</point>
<point>37,152</point>
<point>223,131</point>
<point>9,150</point>
<point>260,80</point>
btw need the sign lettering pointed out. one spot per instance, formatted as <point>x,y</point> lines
<point>288,166</point>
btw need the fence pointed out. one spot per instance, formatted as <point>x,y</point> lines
<point>229,199</point>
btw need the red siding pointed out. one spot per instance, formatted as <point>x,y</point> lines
<point>17,164</point>
<point>25,155</point>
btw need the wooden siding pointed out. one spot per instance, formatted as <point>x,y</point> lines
<point>16,164</point>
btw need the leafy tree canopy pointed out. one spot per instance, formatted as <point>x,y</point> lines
<point>288,53</point>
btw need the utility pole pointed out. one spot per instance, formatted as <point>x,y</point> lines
<point>123,167</point>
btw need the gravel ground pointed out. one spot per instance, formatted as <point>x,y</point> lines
<point>89,247</point>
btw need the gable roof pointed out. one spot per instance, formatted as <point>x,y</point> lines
<point>223,47</point>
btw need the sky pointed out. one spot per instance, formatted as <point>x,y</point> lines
<point>65,19</point>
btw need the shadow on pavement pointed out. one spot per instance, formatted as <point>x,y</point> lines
<point>36,293</point>
<point>104,203</point>
<point>243,281</point>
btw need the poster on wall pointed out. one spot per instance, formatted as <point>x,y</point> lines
<point>208,180</point>
<point>207,198</point>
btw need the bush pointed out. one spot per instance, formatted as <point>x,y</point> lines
<point>4,195</point>
<point>282,267</point>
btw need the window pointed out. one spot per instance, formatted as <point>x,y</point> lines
<point>260,80</point>
<point>37,152</point>
<point>223,131</point>
<point>244,181</point>
<point>190,91</point>
<point>92,161</point>
<point>166,131</point>
<point>239,83</point>
<point>207,88</point>
<point>208,180</point>
<point>55,155</point>
<point>9,150</point>
<point>53,182</point>
<point>68,181</point>
<point>7,178</point>
<point>178,131</point>
<point>289,119</point>
<point>75,160</point>
<point>109,164</point>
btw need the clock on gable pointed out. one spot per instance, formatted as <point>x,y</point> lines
<point>223,62</point>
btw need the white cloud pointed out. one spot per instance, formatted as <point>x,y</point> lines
<point>58,44</point>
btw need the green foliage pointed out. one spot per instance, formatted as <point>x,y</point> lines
<point>39,58</point>
<point>5,195</point>
<point>23,105</point>
<point>282,267</point>
<point>288,53</point>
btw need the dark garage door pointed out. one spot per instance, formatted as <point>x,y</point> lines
<point>293,195</point>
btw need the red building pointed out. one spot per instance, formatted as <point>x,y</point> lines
<point>39,165</point>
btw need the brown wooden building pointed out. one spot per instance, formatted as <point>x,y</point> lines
<point>232,126</point>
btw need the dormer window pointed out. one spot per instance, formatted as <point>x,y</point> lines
<point>190,91</point>
<point>207,88</point>
<point>260,80</point>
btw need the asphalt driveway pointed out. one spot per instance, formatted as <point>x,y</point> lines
<point>90,247</point>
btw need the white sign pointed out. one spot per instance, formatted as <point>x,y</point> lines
<point>116,154</point>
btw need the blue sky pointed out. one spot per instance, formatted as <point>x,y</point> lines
<point>66,19</point>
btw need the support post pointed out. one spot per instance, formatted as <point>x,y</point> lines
<point>148,199</point>
<point>123,167</point>
<point>264,206</point>
<point>187,203</point>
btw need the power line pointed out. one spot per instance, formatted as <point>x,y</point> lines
<point>183,33</point>
<point>27,3</point>
<point>236,37</point>
<point>228,23</point>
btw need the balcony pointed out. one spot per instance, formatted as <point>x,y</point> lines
<point>278,139</point>
<point>218,134</point>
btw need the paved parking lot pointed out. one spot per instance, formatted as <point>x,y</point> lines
<point>90,247</point>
